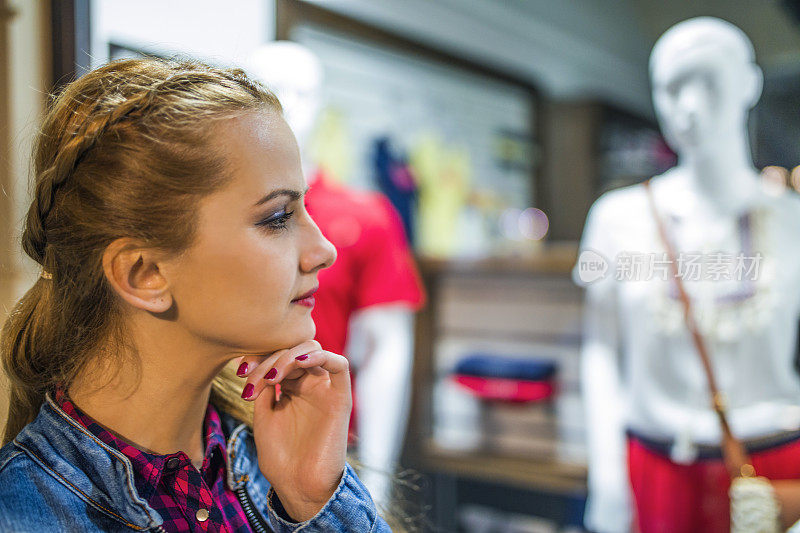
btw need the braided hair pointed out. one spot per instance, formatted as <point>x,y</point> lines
<point>125,151</point>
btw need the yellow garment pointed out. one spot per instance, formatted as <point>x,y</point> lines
<point>443,180</point>
<point>331,148</point>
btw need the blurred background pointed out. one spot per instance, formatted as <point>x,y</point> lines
<point>510,116</point>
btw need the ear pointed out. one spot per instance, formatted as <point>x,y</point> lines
<point>755,84</point>
<point>133,271</point>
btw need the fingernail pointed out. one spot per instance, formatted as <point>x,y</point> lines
<point>248,390</point>
<point>242,370</point>
<point>271,374</point>
<point>302,357</point>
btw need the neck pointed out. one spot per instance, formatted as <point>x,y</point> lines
<point>723,178</point>
<point>161,410</point>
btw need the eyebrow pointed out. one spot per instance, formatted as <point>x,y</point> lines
<point>291,193</point>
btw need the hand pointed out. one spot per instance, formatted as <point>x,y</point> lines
<point>608,508</point>
<point>787,493</point>
<point>301,439</point>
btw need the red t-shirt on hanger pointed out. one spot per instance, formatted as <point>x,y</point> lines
<point>374,265</point>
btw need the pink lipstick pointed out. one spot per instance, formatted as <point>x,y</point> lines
<point>306,299</point>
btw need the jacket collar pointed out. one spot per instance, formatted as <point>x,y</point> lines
<point>104,475</point>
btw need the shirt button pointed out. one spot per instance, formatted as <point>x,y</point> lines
<point>201,515</point>
<point>173,462</point>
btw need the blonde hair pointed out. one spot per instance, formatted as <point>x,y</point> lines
<point>124,151</point>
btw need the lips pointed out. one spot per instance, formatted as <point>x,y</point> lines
<point>309,294</point>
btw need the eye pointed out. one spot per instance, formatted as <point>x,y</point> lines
<point>708,83</point>
<point>672,89</point>
<point>276,221</point>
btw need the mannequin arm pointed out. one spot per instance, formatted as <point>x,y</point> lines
<point>381,349</point>
<point>608,508</point>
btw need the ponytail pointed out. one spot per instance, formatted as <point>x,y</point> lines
<point>24,333</point>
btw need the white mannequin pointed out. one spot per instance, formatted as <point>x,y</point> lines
<point>640,370</point>
<point>380,338</point>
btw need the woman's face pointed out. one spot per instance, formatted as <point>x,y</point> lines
<point>257,251</point>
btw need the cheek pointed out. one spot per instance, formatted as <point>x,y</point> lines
<point>257,274</point>
<point>264,278</point>
<point>238,292</point>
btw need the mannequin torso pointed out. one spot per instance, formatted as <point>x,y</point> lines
<point>667,393</point>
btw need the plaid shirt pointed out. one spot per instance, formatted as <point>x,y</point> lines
<point>171,484</point>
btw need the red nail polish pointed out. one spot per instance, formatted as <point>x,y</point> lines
<point>242,370</point>
<point>302,357</point>
<point>271,374</point>
<point>248,390</point>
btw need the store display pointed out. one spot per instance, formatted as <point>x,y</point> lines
<point>496,366</point>
<point>508,390</point>
<point>443,178</point>
<point>738,255</point>
<point>506,405</point>
<point>510,379</point>
<point>396,180</point>
<point>466,140</point>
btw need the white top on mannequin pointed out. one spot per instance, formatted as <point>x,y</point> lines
<point>380,338</point>
<point>640,369</point>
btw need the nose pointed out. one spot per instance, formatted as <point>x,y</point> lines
<point>688,108</point>
<point>318,253</point>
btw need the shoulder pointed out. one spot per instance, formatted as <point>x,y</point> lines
<point>7,454</point>
<point>612,218</point>
<point>372,208</point>
<point>25,502</point>
<point>33,500</point>
<point>18,475</point>
<point>615,206</point>
<point>21,476</point>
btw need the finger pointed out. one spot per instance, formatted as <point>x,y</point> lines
<point>268,397</point>
<point>245,364</point>
<point>285,367</point>
<point>253,361</point>
<point>272,361</point>
<point>271,368</point>
<point>304,349</point>
<point>336,365</point>
<point>255,382</point>
<point>242,366</point>
<point>337,380</point>
<point>311,362</point>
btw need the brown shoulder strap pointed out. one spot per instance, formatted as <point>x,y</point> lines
<point>736,459</point>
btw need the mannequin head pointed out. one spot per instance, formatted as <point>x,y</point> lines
<point>704,82</point>
<point>295,75</point>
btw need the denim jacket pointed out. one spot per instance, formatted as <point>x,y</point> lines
<point>56,476</point>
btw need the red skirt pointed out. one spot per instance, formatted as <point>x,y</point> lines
<point>693,498</point>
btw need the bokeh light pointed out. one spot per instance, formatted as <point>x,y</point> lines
<point>533,224</point>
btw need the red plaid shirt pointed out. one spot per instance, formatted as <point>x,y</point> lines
<point>171,484</point>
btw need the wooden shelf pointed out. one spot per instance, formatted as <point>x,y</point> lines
<point>554,258</point>
<point>522,472</point>
<point>526,299</point>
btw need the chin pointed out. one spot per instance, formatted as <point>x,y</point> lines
<point>273,337</point>
<point>303,331</point>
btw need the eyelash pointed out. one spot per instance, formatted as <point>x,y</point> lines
<point>276,223</point>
